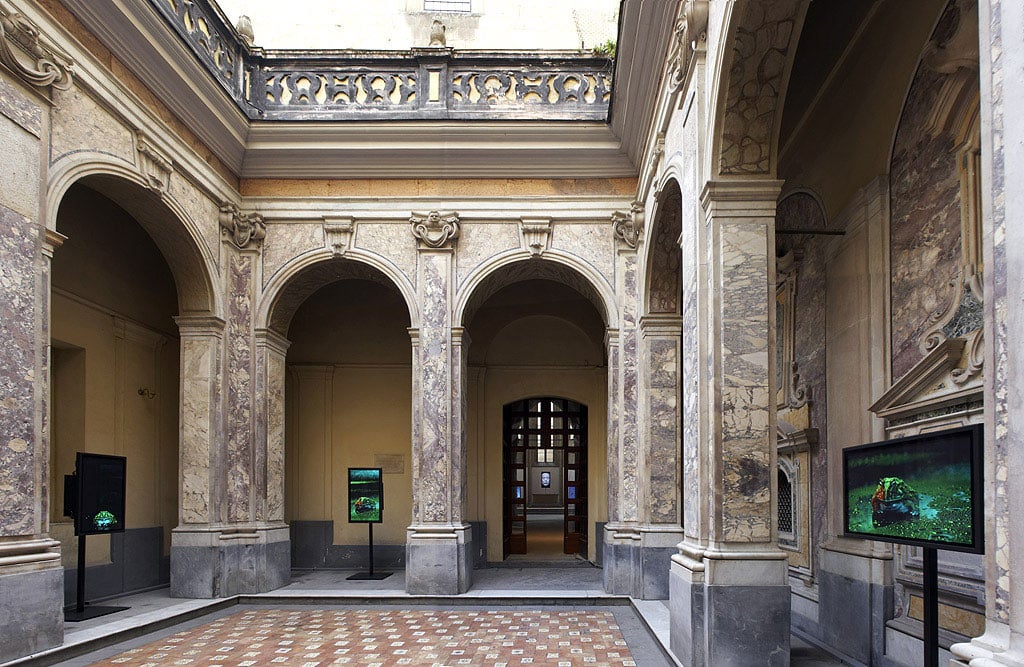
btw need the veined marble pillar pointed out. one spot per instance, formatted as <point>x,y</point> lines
<point>31,576</point>
<point>660,521</point>
<point>622,558</point>
<point>730,599</point>
<point>439,541</point>
<point>1002,57</point>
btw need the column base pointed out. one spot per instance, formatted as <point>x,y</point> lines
<point>221,562</point>
<point>439,559</point>
<point>855,599</point>
<point>636,560</point>
<point>729,606</point>
<point>32,590</point>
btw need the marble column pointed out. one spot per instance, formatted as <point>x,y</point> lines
<point>439,540</point>
<point>1002,57</point>
<point>660,423</point>
<point>730,598</point>
<point>31,576</point>
<point>622,557</point>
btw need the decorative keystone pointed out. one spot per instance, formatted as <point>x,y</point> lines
<point>38,64</point>
<point>536,234</point>
<point>338,234</point>
<point>242,229</point>
<point>154,165</point>
<point>627,227</point>
<point>435,230</point>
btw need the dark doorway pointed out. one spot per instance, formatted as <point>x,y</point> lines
<point>544,475</point>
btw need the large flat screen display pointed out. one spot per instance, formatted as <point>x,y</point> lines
<point>365,495</point>
<point>925,490</point>
<point>101,494</point>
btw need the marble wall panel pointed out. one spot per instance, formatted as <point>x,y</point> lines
<point>434,475</point>
<point>19,444</point>
<point>663,290</point>
<point>239,385</point>
<point>592,243</point>
<point>662,428</point>
<point>285,242</point>
<point>17,107</point>
<point>199,384</point>
<point>391,240</point>
<point>480,242</point>
<point>83,125</point>
<point>745,397</point>
<point>630,363</point>
<point>614,446</point>
<point>19,179</point>
<point>925,222</point>
<point>275,392</point>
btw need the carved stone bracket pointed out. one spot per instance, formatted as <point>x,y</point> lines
<point>242,229</point>
<point>691,33</point>
<point>628,227</point>
<point>435,230</point>
<point>37,64</point>
<point>536,234</point>
<point>154,165</point>
<point>657,152</point>
<point>338,234</point>
<point>793,393</point>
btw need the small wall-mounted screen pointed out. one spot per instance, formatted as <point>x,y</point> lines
<point>101,494</point>
<point>924,490</point>
<point>365,495</point>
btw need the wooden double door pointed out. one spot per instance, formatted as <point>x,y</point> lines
<point>545,435</point>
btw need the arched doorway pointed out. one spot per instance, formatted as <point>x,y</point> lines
<point>544,481</point>
<point>127,267</point>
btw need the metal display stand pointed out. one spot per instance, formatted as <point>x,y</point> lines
<point>371,575</point>
<point>931,607</point>
<point>82,611</point>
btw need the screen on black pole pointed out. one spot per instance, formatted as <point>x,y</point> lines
<point>101,494</point>
<point>924,490</point>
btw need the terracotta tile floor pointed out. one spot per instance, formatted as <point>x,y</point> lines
<point>379,638</point>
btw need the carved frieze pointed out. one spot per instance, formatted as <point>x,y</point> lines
<point>242,229</point>
<point>154,165</point>
<point>536,233</point>
<point>627,227</point>
<point>24,53</point>
<point>435,230</point>
<point>338,234</point>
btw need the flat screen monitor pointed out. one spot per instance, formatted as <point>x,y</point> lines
<point>924,490</point>
<point>365,495</point>
<point>101,494</point>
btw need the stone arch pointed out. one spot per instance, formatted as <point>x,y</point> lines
<point>663,265</point>
<point>762,37</point>
<point>305,274</point>
<point>517,266</point>
<point>178,237</point>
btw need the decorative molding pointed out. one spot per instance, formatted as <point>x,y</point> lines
<point>242,229</point>
<point>536,233</point>
<point>435,230</point>
<point>39,65</point>
<point>627,227</point>
<point>793,393</point>
<point>154,165</point>
<point>657,152</point>
<point>691,32</point>
<point>338,234</point>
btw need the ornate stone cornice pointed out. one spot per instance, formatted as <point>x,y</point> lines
<point>536,233</point>
<point>435,230</point>
<point>628,227</point>
<point>38,64</point>
<point>242,230</point>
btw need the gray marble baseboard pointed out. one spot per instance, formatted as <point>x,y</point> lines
<point>852,615</point>
<point>223,571</point>
<point>439,566</point>
<point>33,612</point>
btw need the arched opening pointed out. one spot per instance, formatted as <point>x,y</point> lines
<point>128,266</point>
<point>536,397</point>
<point>348,405</point>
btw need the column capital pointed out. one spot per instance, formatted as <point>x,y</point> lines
<point>200,325</point>
<point>271,339</point>
<point>661,325</point>
<point>461,337</point>
<point>743,197</point>
<point>52,239</point>
<point>611,336</point>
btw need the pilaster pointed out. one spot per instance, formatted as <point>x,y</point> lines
<point>439,541</point>
<point>729,593</point>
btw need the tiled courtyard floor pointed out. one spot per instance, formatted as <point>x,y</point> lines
<point>378,638</point>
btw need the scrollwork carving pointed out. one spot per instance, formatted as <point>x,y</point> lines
<point>536,233</point>
<point>154,165</point>
<point>627,227</point>
<point>242,229</point>
<point>338,234</point>
<point>435,230</point>
<point>39,65</point>
<point>691,31</point>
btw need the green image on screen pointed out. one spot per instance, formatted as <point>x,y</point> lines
<point>104,520</point>
<point>365,495</point>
